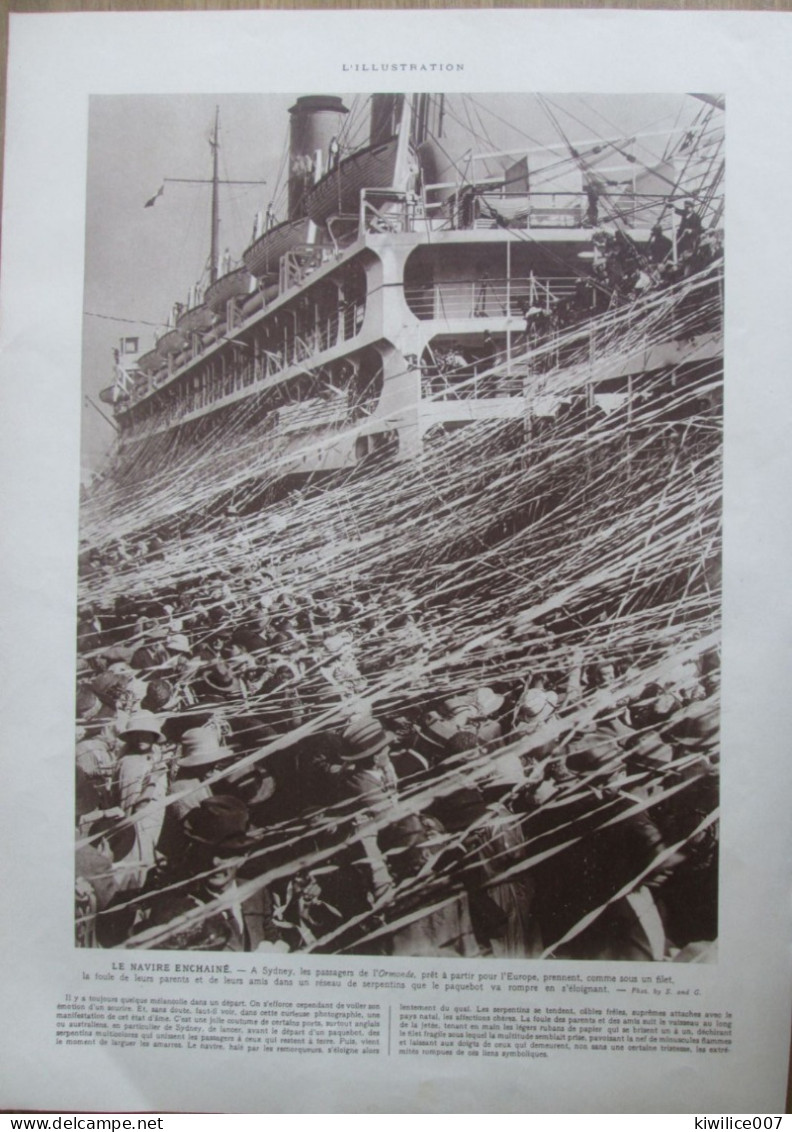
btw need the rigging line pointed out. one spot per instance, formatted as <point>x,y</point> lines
<point>673,141</point>
<point>489,141</point>
<point>584,167</point>
<point>352,128</point>
<point>477,112</point>
<point>504,122</point>
<point>479,119</point>
<point>546,103</point>
<point>116,318</point>
<point>647,168</point>
<point>350,121</point>
<point>685,168</point>
<point>237,223</point>
<point>483,139</point>
<point>646,131</point>
<point>207,181</point>
<point>188,239</point>
<point>563,110</point>
<point>278,188</point>
<point>527,238</point>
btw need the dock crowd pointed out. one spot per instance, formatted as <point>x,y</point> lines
<point>276,767</point>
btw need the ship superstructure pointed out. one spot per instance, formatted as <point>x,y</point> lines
<point>412,288</point>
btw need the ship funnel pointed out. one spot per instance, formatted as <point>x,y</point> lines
<point>315,123</point>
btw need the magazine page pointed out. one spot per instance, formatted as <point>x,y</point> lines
<point>394,467</point>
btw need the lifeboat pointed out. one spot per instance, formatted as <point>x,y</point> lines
<point>171,342</point>
<point>195,319</point>
<point>339,190</point>
<point>230,286</point>
<point>263,256</point>
<point>152,361</point>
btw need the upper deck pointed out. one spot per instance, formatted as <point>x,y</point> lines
<point>472,263</point>
<point>404,281</point>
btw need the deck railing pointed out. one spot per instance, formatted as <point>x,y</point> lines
<point>487,297</point>
<point>483,384</point>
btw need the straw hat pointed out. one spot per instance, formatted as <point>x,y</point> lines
<point>142,723</point>
<point>178,643</point>
<point>201,747</point>
<point>364,738</point>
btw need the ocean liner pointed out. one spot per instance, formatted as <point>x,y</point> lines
<point>409,287</point>
<point>399,600</point>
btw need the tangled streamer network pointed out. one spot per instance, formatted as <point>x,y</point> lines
<point>399,601</point>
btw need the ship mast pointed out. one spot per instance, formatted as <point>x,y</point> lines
<point>215,234</point>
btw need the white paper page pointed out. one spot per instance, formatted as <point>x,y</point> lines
<point>57,64</point>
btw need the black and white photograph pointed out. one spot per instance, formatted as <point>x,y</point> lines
<point>399,598</point>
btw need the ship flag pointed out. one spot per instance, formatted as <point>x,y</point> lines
<point>150,203</point>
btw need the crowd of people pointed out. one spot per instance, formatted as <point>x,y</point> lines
<point>622,272</point>
<point>262,766</point>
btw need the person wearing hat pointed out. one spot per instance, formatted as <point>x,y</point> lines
<point>659,247</point>
<point>411,847</point>
<point>304,915</point>
<point>140,763</point>
<point>613,716</point>
<point>612,848</point>
<point>103,871</point>
<point>97,879</point>
<point>200,755</point>
<point>88,706</point>
<point>368,788</point>
<point>160,696</point>
<point>150,657</point>
<point>170,658</point>
<point>143,780</point>
<point>466,712</point>
<point>217,843</point>
<point>490,837</point>
<point>96,762</point>
<point>690,894</point>
<point>535,710</point>
<point>323,610</point>
<point>181,662</point>
<point>116,693</point>
<point>370,777</point>
<point>341,671</point>
<point>689,230</point>
<point>95,745</point>
<point>219,683</point>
